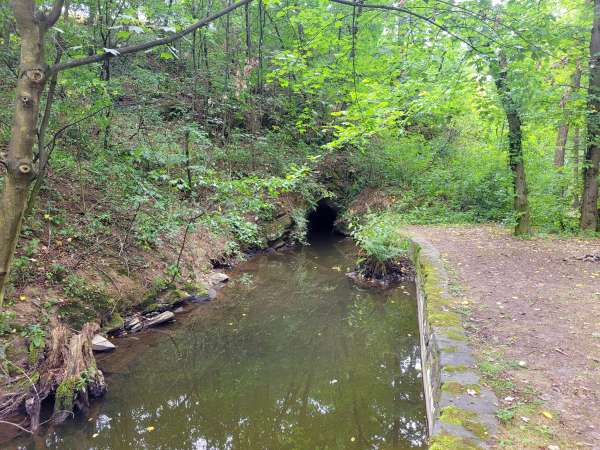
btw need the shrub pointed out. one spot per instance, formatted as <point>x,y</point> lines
<point>381,244</point>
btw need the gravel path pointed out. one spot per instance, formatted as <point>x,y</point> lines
<point>538,300</point>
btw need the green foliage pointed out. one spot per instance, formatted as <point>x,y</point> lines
<point>36,337</point>
<point>86,302</point>
<point>505,414</point>
<point>57,273</point>
<point>380,242</point>
<point>6,319</point>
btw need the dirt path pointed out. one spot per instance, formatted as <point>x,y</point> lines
<point>535,303</point>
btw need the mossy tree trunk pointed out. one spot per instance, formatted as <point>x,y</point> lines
<point>516,161</point>
<point>589,197</point>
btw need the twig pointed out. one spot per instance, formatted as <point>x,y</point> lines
<point>16,425</point>
<point>187,228</point>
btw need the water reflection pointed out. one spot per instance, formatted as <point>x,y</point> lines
<point>300,359</point>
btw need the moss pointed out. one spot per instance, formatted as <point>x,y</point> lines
<point>453,368</point>
<point>467,419</point>
<point>151,308</point>
<point>197,288</point>
<point>448,442</point>
<point>443,318</point>
<point>451,349</point>
<point>456,388</point>
<point>455,335</point>
<point>115,322</point>
<point>65,394</point>
<point>87,302</point>
<point>277,228</point>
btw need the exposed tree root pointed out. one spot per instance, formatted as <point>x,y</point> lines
<point>68,372</point>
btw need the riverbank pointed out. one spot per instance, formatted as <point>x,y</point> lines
<point>532,312</point>
<point>81,265</point>
<point>233,372</point>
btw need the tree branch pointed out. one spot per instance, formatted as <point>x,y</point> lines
<point>411,13</point>
<point>147,45</point>
<point>54,14</point>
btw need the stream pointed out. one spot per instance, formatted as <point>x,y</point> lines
<point>291,355</point>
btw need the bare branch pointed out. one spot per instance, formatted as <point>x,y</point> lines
<point>54,14</point>
<point>147,45</point>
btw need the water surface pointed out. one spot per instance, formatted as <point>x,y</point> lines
<point>291,355</point>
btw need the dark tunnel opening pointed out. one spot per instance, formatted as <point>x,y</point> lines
<point>321,220</point>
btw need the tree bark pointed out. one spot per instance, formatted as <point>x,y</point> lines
<point>563,128</point>
<point>33,72</point>
<point>515,149</point>
<point>575,156</point>
<point>589,197</point>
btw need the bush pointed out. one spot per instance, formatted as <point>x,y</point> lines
<point>381,244</point>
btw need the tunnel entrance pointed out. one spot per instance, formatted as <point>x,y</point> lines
<point>321,219</point>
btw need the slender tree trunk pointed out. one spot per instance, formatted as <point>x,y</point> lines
<point>18,160</point>
<point>575,155</point>
<point>261,25</point>
<point>561,143</point>
<point>186,151</point>
<point>515,149</point>
<point>248,31</point>
<point>43,151</point>
<point>563,128</point>
<point>589,197</point>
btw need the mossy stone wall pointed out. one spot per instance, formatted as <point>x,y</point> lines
<point>460,412</point>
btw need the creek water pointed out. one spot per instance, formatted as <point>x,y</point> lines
<point>291,355</point>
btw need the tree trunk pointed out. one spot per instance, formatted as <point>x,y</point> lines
<point>589,197</point>
<point>19,158</point>
<point>248,31</point>
<point>43,151</point>
<point>515,149</point>
<point>575,156</point>
<point>563,129</point>
<point>561,142</point>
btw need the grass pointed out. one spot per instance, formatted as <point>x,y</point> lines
<point>525,421</point>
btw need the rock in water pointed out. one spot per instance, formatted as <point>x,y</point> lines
<point>161,318</point>
<point>134,324</point>
<point>101,344</point>
<point>217,278</point>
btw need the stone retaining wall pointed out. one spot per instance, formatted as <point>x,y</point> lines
<point>460,411</point>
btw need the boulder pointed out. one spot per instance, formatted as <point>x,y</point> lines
<point>160,318</point>
<point>101,344</point>
<point>217,278</point>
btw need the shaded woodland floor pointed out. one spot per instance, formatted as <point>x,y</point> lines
<point>532,309</point>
